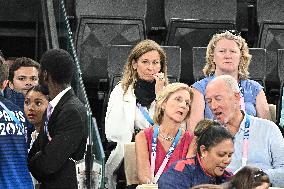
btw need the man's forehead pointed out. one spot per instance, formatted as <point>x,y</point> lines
<point>216,87</point>
<point>30,70</point>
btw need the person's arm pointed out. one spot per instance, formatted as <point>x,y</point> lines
<point>142,158</point>
<point>262,108</point>
<point>276,148</point>
<point>197,110</point>
<point>118,128</point>
<point>71,125</point>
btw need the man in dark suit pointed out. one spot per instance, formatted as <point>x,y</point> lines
<point>63,138</point>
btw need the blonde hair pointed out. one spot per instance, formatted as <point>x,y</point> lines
<point>164,96</point>
<point>129,74</point>
<point>210,66</point>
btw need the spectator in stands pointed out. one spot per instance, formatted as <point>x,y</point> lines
<point>248,178</point>
<point>228,54</point>
<point>132,101</point>
<point>214,152</point>
<point>14,172</point>
<point>166,138</point>
<point>36,101</point>
<point>63,140</point>
<point>258,142</point>
<point>23,74</point>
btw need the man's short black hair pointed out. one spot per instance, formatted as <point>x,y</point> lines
<point>59,64</point>
<point>22,62</point>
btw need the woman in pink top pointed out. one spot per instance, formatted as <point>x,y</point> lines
<point>159,146</point>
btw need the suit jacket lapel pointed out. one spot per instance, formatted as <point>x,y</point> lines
<point>58,108</point>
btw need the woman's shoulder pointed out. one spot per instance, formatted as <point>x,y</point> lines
<point>250,82</point>
<point>184,165</point>
<point>251,85</point>
<point>188,136</point>
<point>201,84</point>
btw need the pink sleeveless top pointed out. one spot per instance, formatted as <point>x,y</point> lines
<point>179,152</point>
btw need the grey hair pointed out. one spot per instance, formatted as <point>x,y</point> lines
<point>230,82</point>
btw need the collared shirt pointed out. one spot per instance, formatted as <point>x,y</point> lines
<point>265,149</point>
<point>56,99</point>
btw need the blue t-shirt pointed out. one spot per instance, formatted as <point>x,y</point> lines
<point>187,173</point>
<point>251,89</point>
<point>14,171</point>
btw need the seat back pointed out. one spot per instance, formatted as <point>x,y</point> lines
<point>116,8</point>
<point>201,9</point>
<point>130,166</point>
<point>270,10</point>
<point>192,33</point>
<point>271,38</point>
<point>198,61</point>
<point>280,63</point>
<point>257,67</point>
<point>94,34</point>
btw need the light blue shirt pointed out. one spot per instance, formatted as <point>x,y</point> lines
<point>265,149</point>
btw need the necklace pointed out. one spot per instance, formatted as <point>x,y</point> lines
<point>166,138</point>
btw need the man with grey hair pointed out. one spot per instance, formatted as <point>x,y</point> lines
<point>258,142</point>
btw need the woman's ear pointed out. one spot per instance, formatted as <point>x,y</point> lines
<point>134,64</point>
<point>203,151</point>
<point>163,106</point>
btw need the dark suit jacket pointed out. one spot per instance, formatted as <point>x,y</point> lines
<point>49,161</point>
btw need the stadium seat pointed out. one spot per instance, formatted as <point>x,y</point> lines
<point>270,10</point>
<point>270,16</point>
<point>117,8</point>
<point>201,9</point>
